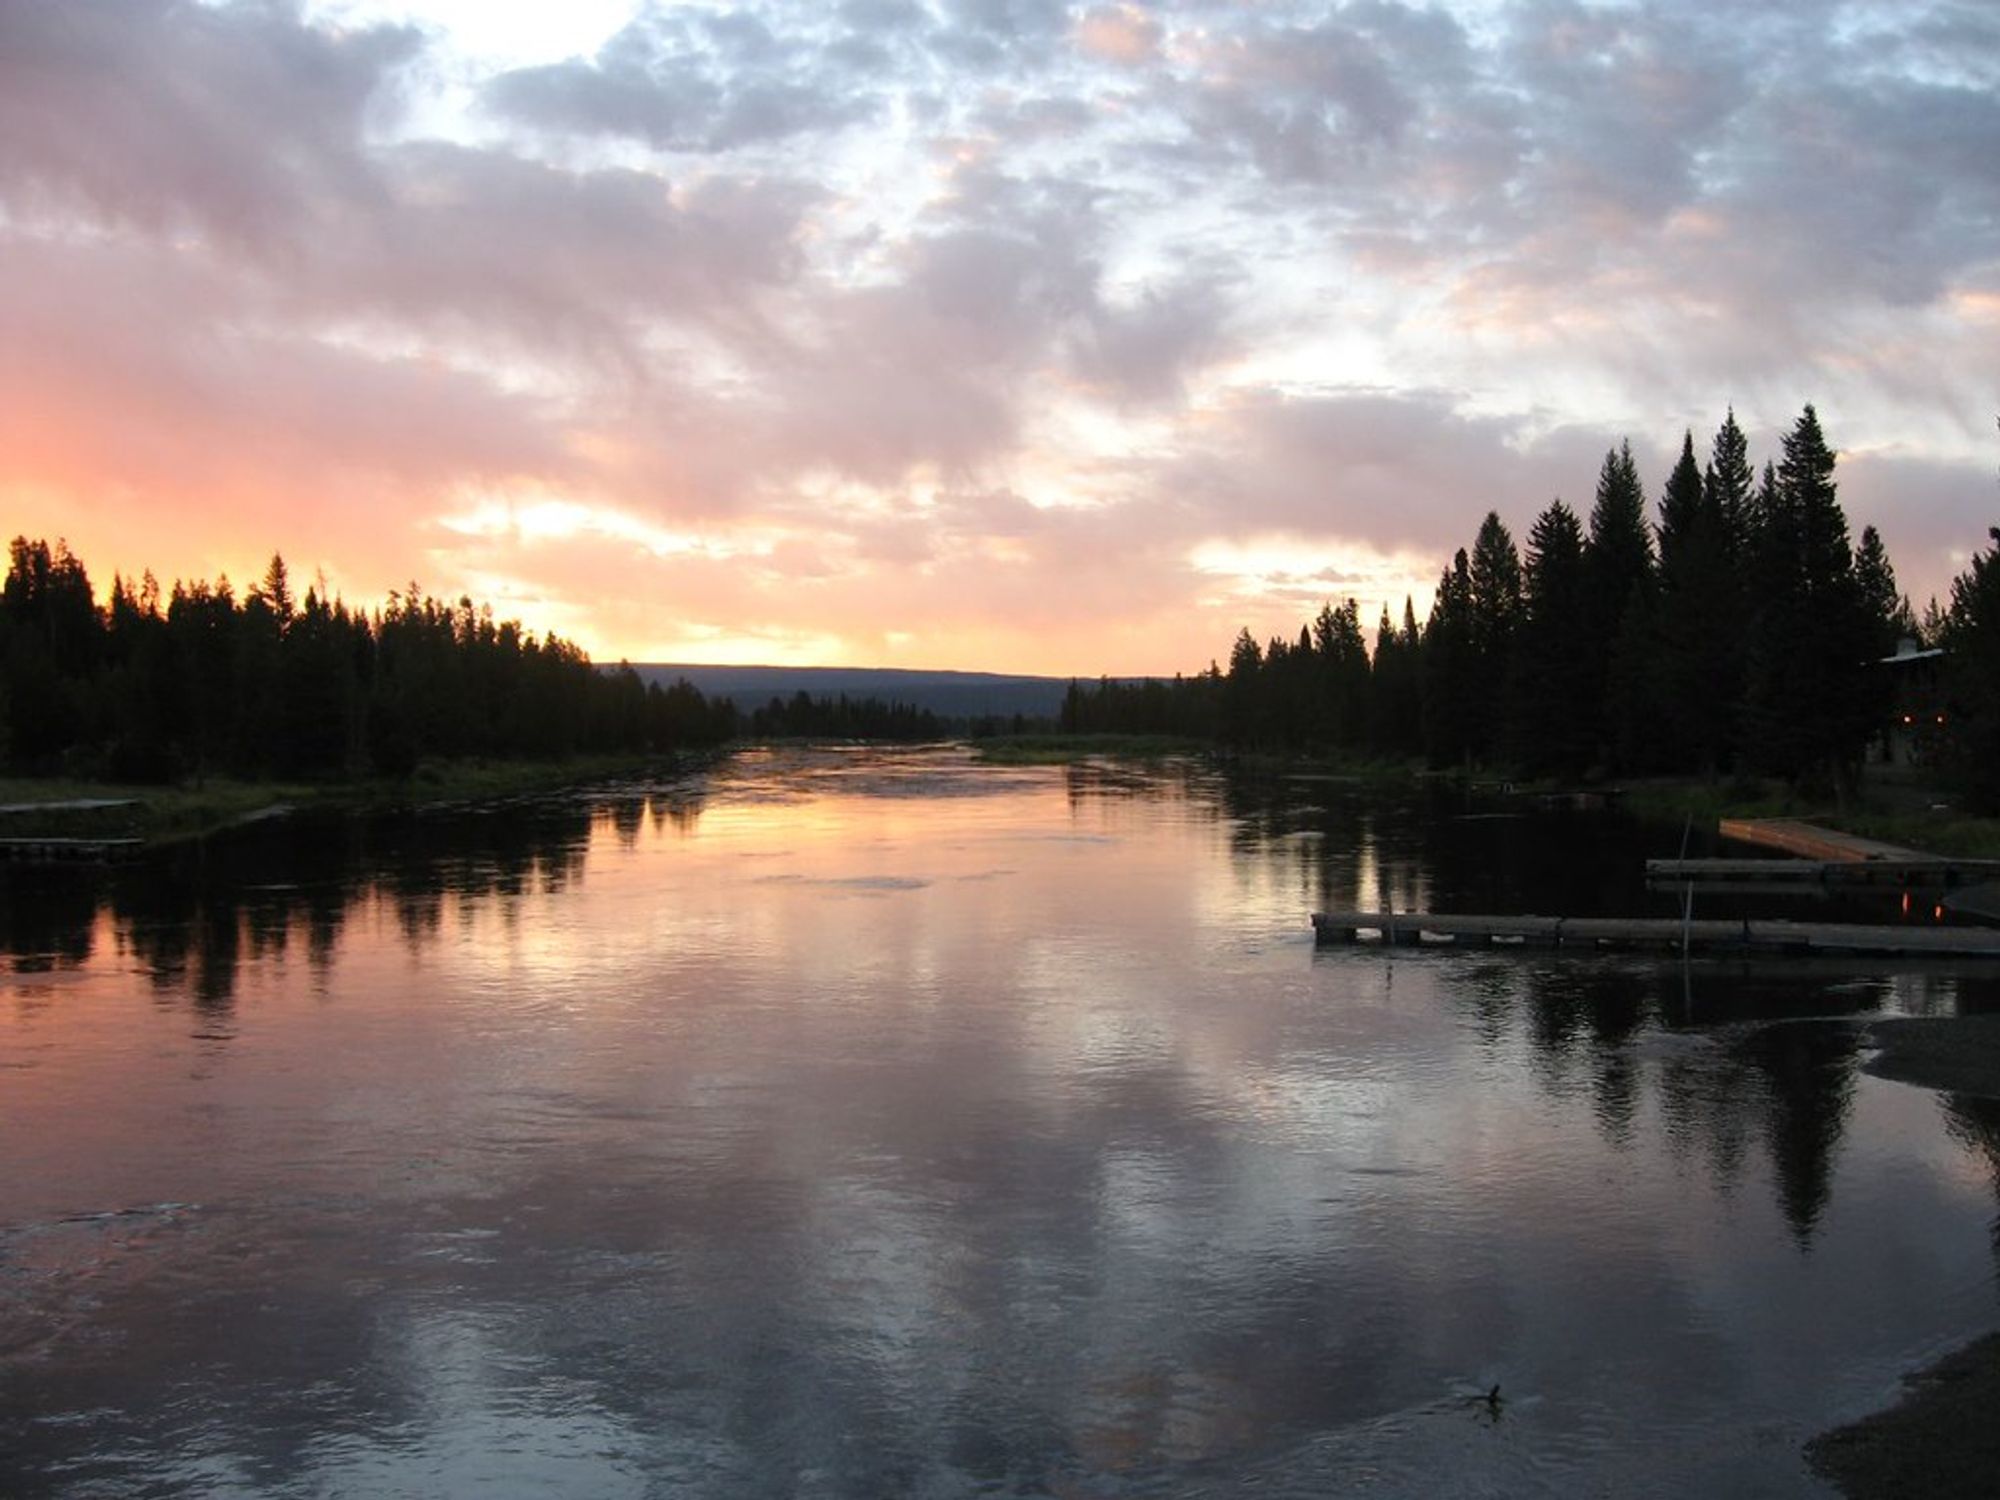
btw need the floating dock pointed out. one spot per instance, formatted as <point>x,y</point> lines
<point>1810,841</point>
<point>1927,872</point>
<point>1817,860</point>
<point>58,851</point>
<point>1664,934</point>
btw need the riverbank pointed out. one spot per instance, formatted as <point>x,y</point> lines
<point>158,816</point>
<point>1940,1439</point>
<point>1953,1054</point>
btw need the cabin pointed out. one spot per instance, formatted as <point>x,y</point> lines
<point>1915,726</point>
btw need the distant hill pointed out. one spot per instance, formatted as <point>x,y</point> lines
<point>952,695</point>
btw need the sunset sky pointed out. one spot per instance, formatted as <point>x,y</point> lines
<point>999,334</point>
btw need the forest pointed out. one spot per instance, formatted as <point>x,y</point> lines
<point>150,689</point>
<point>1738,632</point>
<point>1741,631</point>
<point>146,689</point>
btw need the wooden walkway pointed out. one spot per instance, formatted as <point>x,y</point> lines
<point>1917,872</point>
<point>55,851</point>
<point>1810,841</point>
<point>1817,858</point>
<point>1669,934</point>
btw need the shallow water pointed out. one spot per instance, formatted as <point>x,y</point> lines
<point>857,1124</point>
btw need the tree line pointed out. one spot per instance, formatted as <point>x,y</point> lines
<point>153,688</point>
<point>803,716</point>
<point>1740,630</point>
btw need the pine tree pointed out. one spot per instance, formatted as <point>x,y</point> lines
<point>1730,510</point>
<point>1243,690</point>
<point>1811,705</point>
<point>54,645</point>
<point>1890,618</point>
<point>1551,718</point>
<point>1494,587</point>
<point>1698,674</point>
<point>1681,506</point>
<point>275,591</point>
<point>1396,690</point>
<point>1970,634</point>
<point>1451,686</point>
<point>1727,483</point>
<point>1340,655</point>
<point>1617,566</point>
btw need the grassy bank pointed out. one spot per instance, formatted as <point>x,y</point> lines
<point>55,807</point>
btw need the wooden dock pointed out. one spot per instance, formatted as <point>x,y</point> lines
<point>1663,934</point>
<point>67,851</point>
<point>1927,872</point>
<point>1819,859</point>
<point>1810,841</point>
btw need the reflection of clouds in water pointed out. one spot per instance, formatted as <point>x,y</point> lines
<point>498,1420</point>
<point>1033,1183</point>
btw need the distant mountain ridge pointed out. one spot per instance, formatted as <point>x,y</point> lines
<point>952,695</point>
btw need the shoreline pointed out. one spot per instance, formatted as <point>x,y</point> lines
<point>1947,1054</point>
<point>159,817</point>
<point>1938,1438</point>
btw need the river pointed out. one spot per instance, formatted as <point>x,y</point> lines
<point>854,1123</point>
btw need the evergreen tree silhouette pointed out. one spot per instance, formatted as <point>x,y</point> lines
<point>1971,638</point>
<point>1617,565</point>
<point>1551,718</point>
<point>1809,702</point>
<point>1494,595</point>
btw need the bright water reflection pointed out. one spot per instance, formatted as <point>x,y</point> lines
<point>854,1124</point>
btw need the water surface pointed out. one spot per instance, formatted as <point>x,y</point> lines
<point>844,1123</point>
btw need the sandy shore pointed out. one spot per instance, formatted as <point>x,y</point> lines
<point>1942,1438</point>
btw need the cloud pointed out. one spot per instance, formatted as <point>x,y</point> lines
<point>241,124</point>
<point>1119,33</point>
<point>1405,470</point>
<point>144,420</point>
<point>1046,334</point>
<point>1932,515</point>
<point>1144,349</point>
<point>694,82</point>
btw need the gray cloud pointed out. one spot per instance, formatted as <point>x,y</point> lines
<point>241,123</point>
<point>953,255</point>
<point>1400,469</point>
<point>698,82</point>
<point>1142,350</point>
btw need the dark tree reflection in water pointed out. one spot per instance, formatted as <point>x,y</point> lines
<point>843,1123</point>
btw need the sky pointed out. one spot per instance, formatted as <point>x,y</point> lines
<point>997,334</point>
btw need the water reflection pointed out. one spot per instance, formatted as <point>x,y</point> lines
<point>853,1124</point>
<point>1790,1085</point>
<point>197,914</point>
